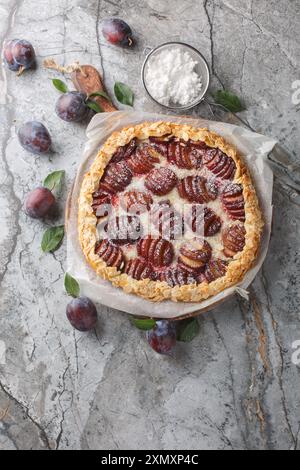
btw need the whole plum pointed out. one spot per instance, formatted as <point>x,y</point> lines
<point>82,314</point>
<point>71,107</point>
<point>19,55</point>
<point>9,58</point>
<point>117,32</point>
<point>34,137</point>
<point>39,203</point>
<point>162,338</point>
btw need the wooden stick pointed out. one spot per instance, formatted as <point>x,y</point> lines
<point>88,80</point>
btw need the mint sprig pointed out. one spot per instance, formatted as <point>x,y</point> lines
<point>124,94</point>
<point>94,106</point>
<point>52,239</point>
<point>60,85</point>
<point>187,330</point>
<point>71,286</point>
<point>54,180</point>
<point>229,100</point>
<point>144,324</point>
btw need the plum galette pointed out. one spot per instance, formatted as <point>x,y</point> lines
<point>169,212</point>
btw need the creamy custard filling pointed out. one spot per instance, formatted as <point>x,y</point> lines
<point>180,270</point>
<point>177,203</point>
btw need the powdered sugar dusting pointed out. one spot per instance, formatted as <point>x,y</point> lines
<point>159,184</point>
<point>171,77</point>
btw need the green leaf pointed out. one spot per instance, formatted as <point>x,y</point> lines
<point>54,180</point>
<point>52,238</point>
<point>94,106</point>
<point>187,330</point>
<point>229,101</point>
<point>123,93</point>
<point>143,323</point>
<point>100,93</point>
<point>71,285</point>
<point>60,85</point>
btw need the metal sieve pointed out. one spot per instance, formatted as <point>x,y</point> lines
<point>201,68</point>
<point>280,158</point>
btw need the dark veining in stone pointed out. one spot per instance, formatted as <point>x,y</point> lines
<point>234,386</point>
<point>207,4</point>
<point>42,433</point>
<point>9,185</point>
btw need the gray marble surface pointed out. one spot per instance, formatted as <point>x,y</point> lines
<point>236,385</point>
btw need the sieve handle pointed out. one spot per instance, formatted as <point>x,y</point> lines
<point>233,116</point>
<point>280,159</point>
<point>284,168</point>
<point>147,51</point>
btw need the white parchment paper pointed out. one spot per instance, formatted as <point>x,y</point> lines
<point>254,147</point>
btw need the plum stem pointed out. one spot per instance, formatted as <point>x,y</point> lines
<point>21,70</point>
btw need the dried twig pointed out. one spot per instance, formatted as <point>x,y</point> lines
<point>75,67</point>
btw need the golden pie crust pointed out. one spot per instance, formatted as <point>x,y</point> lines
<point>157,291</point>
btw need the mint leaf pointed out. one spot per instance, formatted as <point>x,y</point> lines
<point>187,330</point>
<point>123,93</point>
<point>143,323</point>
<point>52,239</point>
<point>54,180</point>
<point>60,85</point>
<point>94,106</point>
<point>71,285</point>
<point>100,93</point>
<point>229,101</point>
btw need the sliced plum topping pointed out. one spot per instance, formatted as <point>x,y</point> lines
<point>215,269</point>
<point>167,221</point>
<point>124,230</point>
<point>234,240</point>
<point>198,145</point>
<point>233,202</point>
<point>184,155</point>
<point>197,150</point>
<point>138,269</point>
<point>212,223</point>
<point>219,163</point>
<point>161,181</point>
<point>112,255</point>
<point>124,152</point>
<point>163,139</point>
<point>204,221</point>
<point>180,155</point>
<point>195,254</point>
<point>197,189</point>
<point>177,277</point>
<point>136,202</point>
<point>161,144</point>
<point>130,148</point>
<point>101,204</point>
<point>116,178</point>
<point>158,252</point>
<point>143,160</point>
